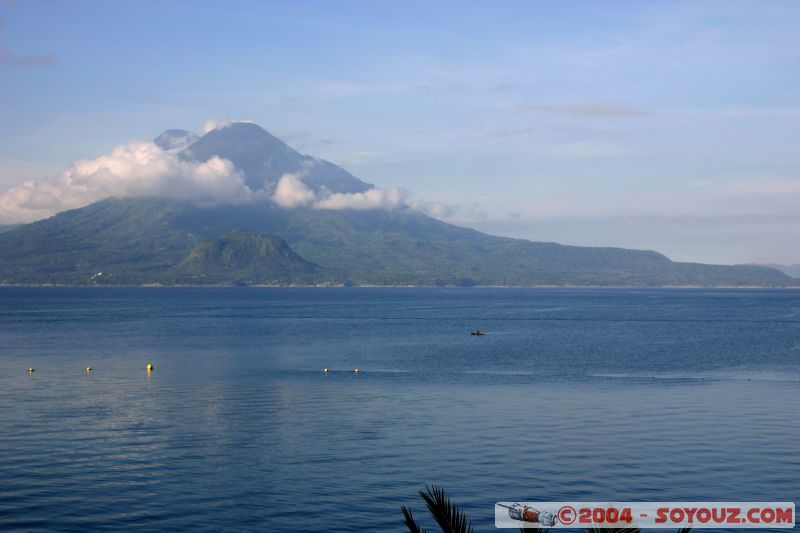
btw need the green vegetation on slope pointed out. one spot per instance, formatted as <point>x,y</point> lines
<point>147,240</point>
<point>130,241</point>
<point>245,258</point>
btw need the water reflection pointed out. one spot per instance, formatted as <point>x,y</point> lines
<point>238,427</point>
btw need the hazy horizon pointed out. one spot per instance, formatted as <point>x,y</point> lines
<point>669,126</point>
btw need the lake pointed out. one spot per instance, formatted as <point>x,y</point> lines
<point>573,394</point>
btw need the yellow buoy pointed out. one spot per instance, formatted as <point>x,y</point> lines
<point>356,371</point>
<point>88,369</point>
<point>30,370</point>
<point>150,367</point>
<point>325,370</point>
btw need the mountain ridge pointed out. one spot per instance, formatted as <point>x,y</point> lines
<point>244,144</point>
<point>792,271</point>
<point>142,240</point>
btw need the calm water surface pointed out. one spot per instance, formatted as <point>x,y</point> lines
<point>573,394</point>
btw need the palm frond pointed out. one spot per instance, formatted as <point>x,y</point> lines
<point>449,517</point>
<point>453,520</point>
<point>410,523</point>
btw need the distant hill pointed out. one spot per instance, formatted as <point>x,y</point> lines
<point>160,240</point>
<point>790,270</point>
<point>244,259</point>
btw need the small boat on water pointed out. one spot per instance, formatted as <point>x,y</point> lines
<point>478,333</point>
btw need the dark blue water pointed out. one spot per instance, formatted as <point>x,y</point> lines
<point>572,395</point>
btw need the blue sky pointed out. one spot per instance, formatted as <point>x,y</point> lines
<point>663,125</point>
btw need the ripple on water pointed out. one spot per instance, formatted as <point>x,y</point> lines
<point>573,395</point>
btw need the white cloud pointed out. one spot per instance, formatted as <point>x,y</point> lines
<point>439,210</point>
<point>292,192</point>
<point>371,199</point>
<point>454,213</point>
<point>143,168</point>
<point>219,123</point>
<point>134,169</point>
<point>175,142</point>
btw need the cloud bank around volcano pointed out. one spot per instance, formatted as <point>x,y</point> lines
<point>292,192</point>
<point>135,169</point>
<point>143,168</point>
